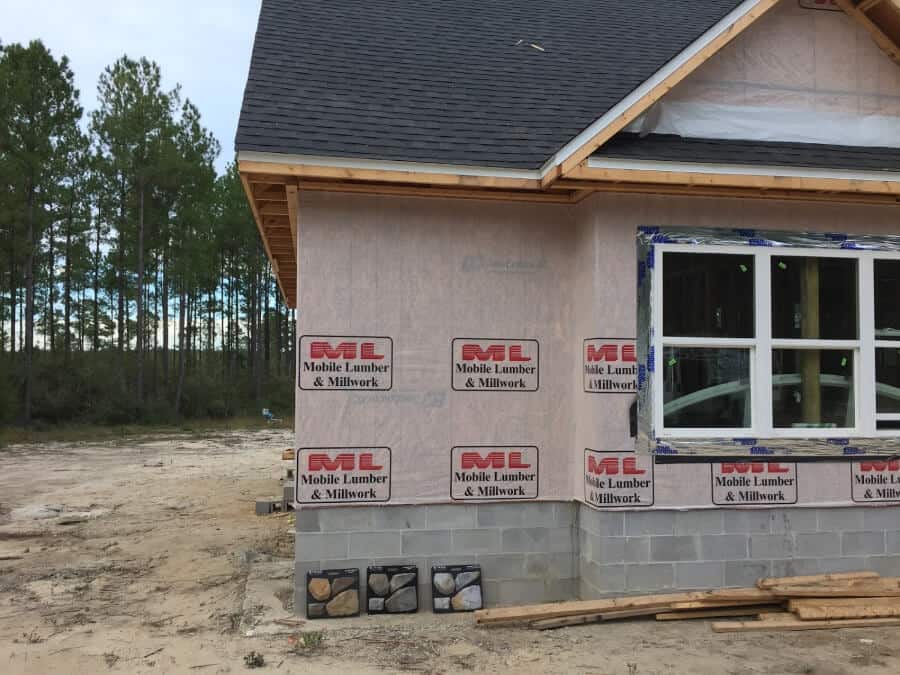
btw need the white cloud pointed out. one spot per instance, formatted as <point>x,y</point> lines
<point>203,45</point>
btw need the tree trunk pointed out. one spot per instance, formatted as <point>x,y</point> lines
<point>29,302</point>
<point>67,289</point>
<point>96,309</point>
<point>51,287</point>
<point>13,293</point>
<point>165,316</point>
<point>266,319</point>
<point>140,296</point>
<point>181,346</point>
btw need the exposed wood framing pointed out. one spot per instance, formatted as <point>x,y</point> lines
<point>655,94</point>
<point>557,196</point>
<point>880,19</point>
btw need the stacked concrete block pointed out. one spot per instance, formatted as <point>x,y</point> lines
<point>650,551</point>
<point>527,552</point>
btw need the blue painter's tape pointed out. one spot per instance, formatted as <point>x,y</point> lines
<point>756,241</point>
<point>761,450</point>
<point>745,441</point>
<point>838,441</point>
<point>648,229</point>
<point>651,257</point>
<point>663,449</point>
<point>651,360</point>
<point>642,376</point>
<point>747,234</point>
<point>850,450</point>
<point>850,245</point>
<point>662,239</point>
<point>836,236</point>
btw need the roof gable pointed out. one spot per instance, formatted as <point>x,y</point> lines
<point>472,82</point>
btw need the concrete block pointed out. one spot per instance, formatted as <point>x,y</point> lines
<point>892,542</point>
<point>788,521</point>
<point>771,546</point>
<point>885,565</point>
<point>585,544</point>
<point>499,515</point>
<point>603,578</point>
<point>839,520</point>
<point>526,592</point>
<point>375,544</point>
<point>539,514</point>
<point>699,575</point>
<point>526,540</point>
<point>266,506</point>
<point>649,522</point>
<point>562,540</point>
<point>795,567</point>
<point>320,545</point>
<point>475,541</point>
<point>649,577</point>
<point>637,549</point>
<point>674,549</point>
<point>745,573</point>
<point>699,522</point>
<point>724,547</point>
<point>818,545</point>
<point>398,518</point>
<point>602,523</point>
<point>565,514</point>
<point>880,518</point>
<point>749,521</point>
<point>490,594</point>
<point>501,566</point>
<point>426,542</point>
<point>345,519</point>
<point>607,550</point>
<point>862,543</point>
<point>307,520</point>
<point>450,516</point>
<point>550,566</point>
<point>350,564</point>
<point>854,564</point>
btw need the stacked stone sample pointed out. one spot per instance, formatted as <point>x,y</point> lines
<point>332,594</point>
<point>456,588</point>
<point>393,589</point>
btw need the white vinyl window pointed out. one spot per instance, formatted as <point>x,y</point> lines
<point>775,342</point>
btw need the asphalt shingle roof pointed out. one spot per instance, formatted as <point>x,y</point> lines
<point>453,82</point>
<point>669,148</point>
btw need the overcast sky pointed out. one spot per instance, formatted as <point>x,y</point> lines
<point>202,44</point>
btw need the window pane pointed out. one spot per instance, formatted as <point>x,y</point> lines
<point>887,299</point>
<point>814,298</point>
<point>887,378</point>
<point>708,295</point>
<point>706,388</point>
<point>812,388</point>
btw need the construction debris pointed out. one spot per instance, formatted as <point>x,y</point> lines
<point>820,602</point>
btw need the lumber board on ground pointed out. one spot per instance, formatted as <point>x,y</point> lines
<point>772,582</point>
<point>579,607</point>
<point>716,604</point>
<point>878,588</point>
<point>789,624</point>
<point>582,619</point>
<point>720,613</point>
<point>842,602</point>
<point>858,611</point>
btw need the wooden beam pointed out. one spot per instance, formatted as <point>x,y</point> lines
<point>409,177</point>
<point>866,5</point>
<point>887,44</point>
<point>756,182</point>
<point>248,190</point>
<point>663,88</point>
<point>270,209</point>
<point>269,193</point>
<point>555,197</point>
<point>291,194</point>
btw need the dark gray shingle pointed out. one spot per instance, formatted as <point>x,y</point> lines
<point>449,81</point>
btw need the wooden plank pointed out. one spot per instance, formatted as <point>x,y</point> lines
<point>293,216</point>
<point>719,613</point>
<point>556,197</point>
<point>717,604</point>
<point>759,182</point>
<point>583,619</point>
<point>853,611</point>
<point>863,589</point>
<point>841,602</point>
<point>771,582</point>
<point>579,607</point>
<point>663,88</point>
<point>797,624</point>
<point>385,176</point>
<point>881,38</point>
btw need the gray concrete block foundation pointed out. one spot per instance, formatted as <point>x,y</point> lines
<point>549,551</point>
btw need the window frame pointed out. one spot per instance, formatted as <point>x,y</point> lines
<point>863,349</point>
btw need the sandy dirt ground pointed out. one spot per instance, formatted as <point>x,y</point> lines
<point>145,556</point>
